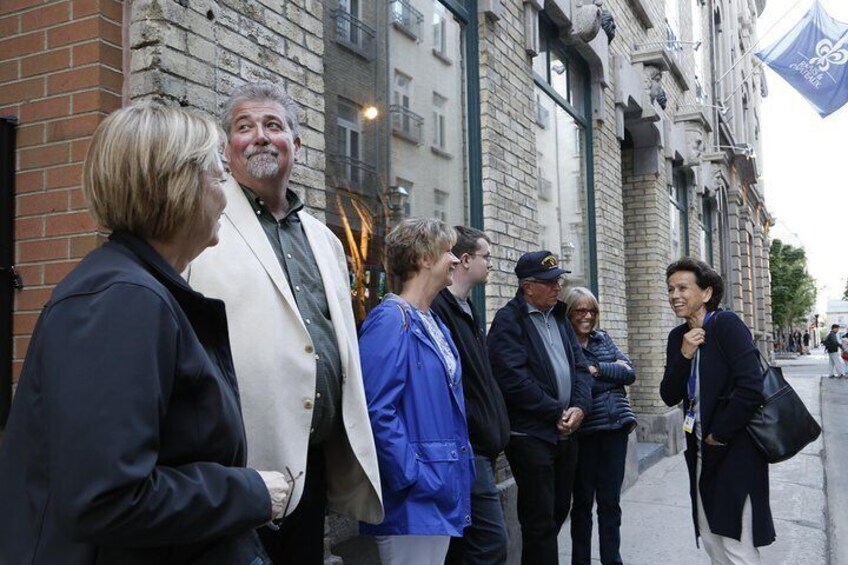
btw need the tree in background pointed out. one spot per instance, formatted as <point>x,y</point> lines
<point>793,290</point>
<point>845,293</point>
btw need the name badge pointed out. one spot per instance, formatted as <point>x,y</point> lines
<point>689,422</point>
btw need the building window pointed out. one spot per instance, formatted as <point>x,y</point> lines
<point>699,53</point>
<point>351,31</point>
<point>678,220</point>
<point>563,147</point>
<point>406,19</point>
<point>439,29</point>
<point>439,104</point>
<point>440,204</point>
<point>405,123</point>
<point>707,223</point>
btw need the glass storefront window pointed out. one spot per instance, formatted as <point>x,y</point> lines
<point>563,159</point>
<point>678,221</point>
<point>412,158</point>
<point>563,194</point>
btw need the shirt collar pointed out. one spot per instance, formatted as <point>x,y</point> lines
<point>531,309</point>
<point>295,204</point>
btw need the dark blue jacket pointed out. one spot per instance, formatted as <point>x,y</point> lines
<point>610,407</point>
<point>125,442</point>
<point>523,368</point>
<point>417,414</point>
<point>731,390</point>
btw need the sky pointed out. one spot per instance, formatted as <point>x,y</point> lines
<point>805,161</point>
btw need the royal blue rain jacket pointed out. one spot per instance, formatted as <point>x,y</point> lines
<point>417,414</point>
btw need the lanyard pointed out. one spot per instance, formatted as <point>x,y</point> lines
<point>694,370</point>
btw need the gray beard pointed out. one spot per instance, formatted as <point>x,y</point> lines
<point>263,166</point>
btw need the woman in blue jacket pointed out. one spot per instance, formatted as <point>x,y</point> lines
<point>125,442</point>
<point>602,436</point>
<point>413,385</point>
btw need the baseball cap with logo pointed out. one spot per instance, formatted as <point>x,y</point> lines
<point>542,265</point>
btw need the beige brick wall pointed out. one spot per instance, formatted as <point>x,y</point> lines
<point>508,149</point>
<point>195,54</point>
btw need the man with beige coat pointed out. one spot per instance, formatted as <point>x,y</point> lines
<point>283,277</point>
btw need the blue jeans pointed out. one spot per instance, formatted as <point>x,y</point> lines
<point>600,473</point>
<point>484,542</point>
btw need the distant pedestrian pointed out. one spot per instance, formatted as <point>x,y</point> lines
<point>806,342</point>
<point>832,346</point>
<point>602,438</point>
<point>713,368</point>
<point>844,346</point>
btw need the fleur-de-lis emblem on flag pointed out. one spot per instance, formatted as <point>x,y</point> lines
<point>829,53</point>
<point>813,58</point>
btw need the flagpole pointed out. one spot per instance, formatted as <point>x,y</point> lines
<point>760,38</point>
<point>754,68</point>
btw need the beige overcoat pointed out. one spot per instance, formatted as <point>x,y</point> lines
<point>275,358</point>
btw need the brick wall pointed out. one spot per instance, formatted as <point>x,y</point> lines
<point>508,148</point>
<point>60,74</point>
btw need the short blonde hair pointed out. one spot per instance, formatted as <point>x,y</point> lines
<point>578,294</point>
<point>415,239</point>
<point>144,169</point>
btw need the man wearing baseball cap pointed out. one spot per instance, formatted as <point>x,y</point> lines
<point>540,368</point>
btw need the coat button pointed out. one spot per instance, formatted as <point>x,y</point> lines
<point>453,454</point>
<point>309,349</point>
<point>307,404</point>
<point>468,518</point>
<point>462,449</point>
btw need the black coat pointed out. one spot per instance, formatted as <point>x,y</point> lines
<point>523,369</point>
<point>731,389</point>
<point>125,442</point>
<point>488,422</point>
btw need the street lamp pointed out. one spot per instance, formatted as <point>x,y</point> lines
<point>396,197</point>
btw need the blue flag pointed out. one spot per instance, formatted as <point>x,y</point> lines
<point>812,57</point>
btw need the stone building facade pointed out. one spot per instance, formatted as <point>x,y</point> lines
<point>622,134</point>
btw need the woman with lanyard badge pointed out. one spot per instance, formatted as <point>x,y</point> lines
<point>713,368</point>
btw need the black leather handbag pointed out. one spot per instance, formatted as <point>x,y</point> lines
<point>782,426</point>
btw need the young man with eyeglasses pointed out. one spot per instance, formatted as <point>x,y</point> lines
<point>485,540</point>
<point>543,374</point>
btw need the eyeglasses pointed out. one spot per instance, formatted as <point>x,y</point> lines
<point>290,479</point>
<point>581,312</point>
<point>487,257</point>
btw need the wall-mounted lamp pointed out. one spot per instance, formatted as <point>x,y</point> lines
<point>396,197</point>
<point>370,113</point>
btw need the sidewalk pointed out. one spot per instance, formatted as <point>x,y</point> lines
<point>656,511</point>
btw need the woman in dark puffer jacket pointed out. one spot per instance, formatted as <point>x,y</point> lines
<point>603,435</point>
